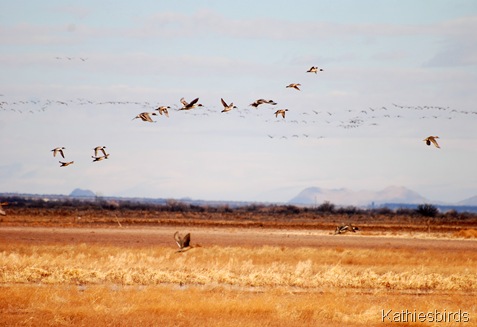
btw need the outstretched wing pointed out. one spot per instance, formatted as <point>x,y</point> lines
<point>223,102</point>
<point>184,102</point>
<point>145,117</point>
<point>193,102</point>
<point>178,240</point>
<point>186,241</point>
<point>433,140</point>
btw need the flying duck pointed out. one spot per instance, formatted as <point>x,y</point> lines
<point>227,107</point>
<point>187,106</point>
<point>182,242</point>
<point>146,116</point>
<point>58,150</point>
<point>345,228</point>
<point>262,101</point>
<point>100,158</point>
<point>280,112</point>
<point>314,69</point>
<point>163,110</point>
<point>64,164</point>
<point>294,86</point>
<point>100,148</point>
<point>432,139</point>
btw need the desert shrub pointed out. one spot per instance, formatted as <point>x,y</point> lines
<point>427,210</point>
<point>177,206</point>
<point>254,207</point>
<point>405,212</point>
<point>385,211</point>
<point>283,210</point>
<point>326,207</point>
<point>349,210</point>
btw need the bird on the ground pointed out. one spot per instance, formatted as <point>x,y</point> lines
<point>100,148</point>
<point>146,116</point>
<point>345,228</point>
<point>314,69</point>
<point>65,164</point>
<point>182,242</point>
<point>164,110</point>
<point>262,101</point>
<point>294,86</point>
<point>281,112</point>
<point>227,107</point>
<point>187,106</point>
<point>58,150</point>
<point>432,139</point>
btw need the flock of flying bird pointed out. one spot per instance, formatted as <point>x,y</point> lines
<point>164,110</point>
<point>97,150</point>
<point>354,122</point>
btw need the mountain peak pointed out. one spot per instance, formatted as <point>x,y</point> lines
<point>79,193</point>
<point>342,196</point>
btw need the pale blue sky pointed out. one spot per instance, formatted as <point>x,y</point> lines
<point>345,128</point>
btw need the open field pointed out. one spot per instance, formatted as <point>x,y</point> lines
<point>80,274</point>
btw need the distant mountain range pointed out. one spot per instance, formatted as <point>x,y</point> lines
<point>392,197</point>
<point>343,197</point>
<point>472,201</point>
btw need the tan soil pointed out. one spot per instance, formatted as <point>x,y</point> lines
<point>211,236</point>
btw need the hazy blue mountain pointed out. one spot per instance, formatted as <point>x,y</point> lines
<point>472,201</point>
<point>342,196</point>
<point>79,193</point>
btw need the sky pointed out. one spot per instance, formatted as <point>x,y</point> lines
<point>75,74</point>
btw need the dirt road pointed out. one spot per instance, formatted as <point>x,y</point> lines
<point>250,237</point>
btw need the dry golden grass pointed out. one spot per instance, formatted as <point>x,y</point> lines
<point>466,233</point>
<point>85,285</point>
<point>266,266</point>
<point>164,305</point>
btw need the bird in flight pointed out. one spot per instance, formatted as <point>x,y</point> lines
<point>95,159</point>
<point>432,139</point>
<point>262,101</point>
<point>345,228</point>
<point>294,86</point>
<point>100,148</point>
<point>65,164</point>
<point>281,112</point>
<point>164,110</point>
<point>146,116</point>
<point>182,242</point>
<point>58,150</point>
<point>187,106</point>
<point>227,107</point>
<point>314,69</point>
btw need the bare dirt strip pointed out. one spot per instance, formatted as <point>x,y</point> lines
<point>243,237</point>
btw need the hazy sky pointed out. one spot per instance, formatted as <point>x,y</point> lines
<point>75,74</point>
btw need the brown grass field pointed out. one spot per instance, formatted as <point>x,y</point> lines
<point>56,272</point>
